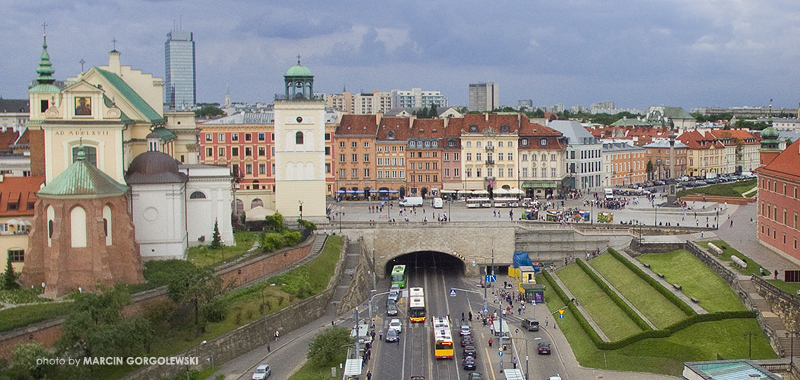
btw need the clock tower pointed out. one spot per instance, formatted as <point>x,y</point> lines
<point>300,187</point>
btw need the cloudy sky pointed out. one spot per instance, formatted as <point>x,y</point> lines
<point>688,53</point>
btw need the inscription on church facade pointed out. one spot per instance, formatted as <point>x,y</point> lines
<point>81,133</point>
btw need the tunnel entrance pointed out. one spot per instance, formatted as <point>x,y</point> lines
<point>419,261</point>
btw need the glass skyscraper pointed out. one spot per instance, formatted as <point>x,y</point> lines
<point>181,90</point>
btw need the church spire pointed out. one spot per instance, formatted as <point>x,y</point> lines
<point>45,69</point>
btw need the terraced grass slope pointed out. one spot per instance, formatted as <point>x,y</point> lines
<point>696,279</point>
<point>652,304</point>
<point>606,314</point>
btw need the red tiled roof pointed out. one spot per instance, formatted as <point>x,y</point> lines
<point>493,121</point>
<point>398,125</point>
<point>786,164</point>
<point>696,140</point>
<point>427,128</point>
<point>724,134</point>
<point>357,125</point>
<point>20,191</point>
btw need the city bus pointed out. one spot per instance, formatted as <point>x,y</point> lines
<point>416,305</point>
<point>442,338</point>
<point>399,275</point>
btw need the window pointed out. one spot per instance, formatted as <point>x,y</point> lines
<point>446,157</point>
<point>262,151</point>
<point>446,172</point>
<point>511,172</point>
<point>544,157</point>
<point>366,173</point>
<point>533,157</point>
<point>234,137</point>
<point>366,157</point>
<point>355,173</point>
<point>510,144</point>
<point>366,144</point>
<point>341,144</point>
<point>499,172</point>
<point>499,144</point>
<point>341,157</point>
<point>553,172</point>
<point>511,156</point>
<point>533,173</point>
<point>234,151</point>
<point>477,157</point>
<point>248,137</point>
<point>478,144</point>
<point>90,153</point>
<point>248,151</point>
<point>341,173</point>
<point>209,137</point>
<point>263,168</point>
<point>221,137</point>
<point>478,172</point>
<point>552,157</point>
<point>455,156</point>
<point>544,173</point>
<point>354,144</point>
<point>499,156</point>
<point>248,169</point>
<point>380,161</point>
<point>209,152</point>
<point>469,156</point>
<point>456,172</point>
<point>298,138</point>
<point>355,157</point>
<point>427,166</point>
<point>469,172</point>
<point>469,144</point>
<point>221,152</point>
<point>523,142</point>
<point>260,137</point>
<point>17,255</point>
<point>524,172</point>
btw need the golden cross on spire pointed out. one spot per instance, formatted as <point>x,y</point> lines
<point>114,41</point>
<point>44,28</point>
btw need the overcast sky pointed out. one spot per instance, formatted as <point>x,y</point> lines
<point>687,53</point>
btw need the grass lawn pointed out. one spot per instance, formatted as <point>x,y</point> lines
<point>752,266</point>
<point>20,316</point>
<point>315,371</point>
<point>729,189</point>
<point>698,281</point>
<point>702,341</point>
<point>789,287</point>
<point>24,295</point>
<point>203,256</point>
<point>655,307</point>
<point>605,313</point>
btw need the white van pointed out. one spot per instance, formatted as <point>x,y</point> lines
<point>609,194</point>
<point>437,203</point>
<point>411,202</point>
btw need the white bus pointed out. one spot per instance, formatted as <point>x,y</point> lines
<point>479,202</point>
<point>416,305</point>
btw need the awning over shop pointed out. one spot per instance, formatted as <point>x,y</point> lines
<point>539,184</point>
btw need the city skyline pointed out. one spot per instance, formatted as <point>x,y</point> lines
<point>677,53</point>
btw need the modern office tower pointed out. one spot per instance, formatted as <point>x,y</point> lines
<point>484,96</point>
<point>180,77</point>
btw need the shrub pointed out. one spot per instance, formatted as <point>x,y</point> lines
<point>272,241</point>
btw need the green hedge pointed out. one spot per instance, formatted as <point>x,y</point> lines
<point>667,332</point>
<point>614,296</point>
<point>654,283</point>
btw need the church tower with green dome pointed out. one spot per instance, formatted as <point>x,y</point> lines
<point>300,186</point>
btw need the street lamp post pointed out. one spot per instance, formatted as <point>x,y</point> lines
<point>301,209</point>
<point>792,335</point>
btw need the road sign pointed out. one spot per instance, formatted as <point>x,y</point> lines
<point>485,310</point>
<point>500,352</point>
<point>561,313</point>
<point>534,303</point>
<point>452,292</point>
<point>491,278</point>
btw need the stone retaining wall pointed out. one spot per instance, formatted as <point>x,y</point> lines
<point>252,335</point>
<point>718,199</point>
<point>786,306</point>
<point>246,271</point>
<point>360,286</point>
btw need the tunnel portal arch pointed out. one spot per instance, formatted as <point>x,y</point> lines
<point>419,259</point>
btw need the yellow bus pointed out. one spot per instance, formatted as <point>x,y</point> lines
<point>442,338</point>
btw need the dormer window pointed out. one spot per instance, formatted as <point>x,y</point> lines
<point>473,128</point>
<point>451,143</point>
<point>504,128</point>
<point>523,142</point>
<point>543,142</point>
<point>390,135</point>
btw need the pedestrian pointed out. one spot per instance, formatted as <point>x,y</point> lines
<point>380,334</point>
<point>268,349</point>
<point>546,321</point>
<point>490,342</point>
<point>514,362</point>
<point>462,316</point>
<point>369,375</point>
<point>331,322</point>
<point>731,222</point>
<point>776,274</point>
<point>519,310</point>
<point>277,335</point>
<point>470,315</point>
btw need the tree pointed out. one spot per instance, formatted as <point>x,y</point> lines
<point>96,327</point>
<point>25,356</point>
<point>329,345</point>
<point>198,287</point>
<point>275,222</point>
<point>9,276</point>
<point>209,110</point>
<point>433,112</point>
<point>216,241</point>
<point>649,169</point>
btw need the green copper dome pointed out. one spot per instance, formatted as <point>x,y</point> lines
<point>770,133</point>
<point>45,70</point>
<point>298,70</point>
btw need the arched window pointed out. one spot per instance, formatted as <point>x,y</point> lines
<point>256,203</point>
<point>298,138</point>
<point>77,219</point>
<point>51,216</point>
<point>107,226</point>
<point>90,151</point>
<point>197,195</point>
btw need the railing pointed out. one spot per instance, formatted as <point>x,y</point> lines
<point>489,162</point>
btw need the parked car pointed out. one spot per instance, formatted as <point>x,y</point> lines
<point>544,348</point>
<point>391,336</point>
<point>469,363</point>
<point>396,325</point>
<point>262,372</point>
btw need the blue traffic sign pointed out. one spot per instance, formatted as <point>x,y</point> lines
<point>485,310</point>
<point>500,352</point>
<point>491,278</point>
<point>534,303</point>
<point>452,292</point>
<point>561,316</point>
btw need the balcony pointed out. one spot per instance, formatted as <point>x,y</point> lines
<point>490,147</point>
<point>489,162</point>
